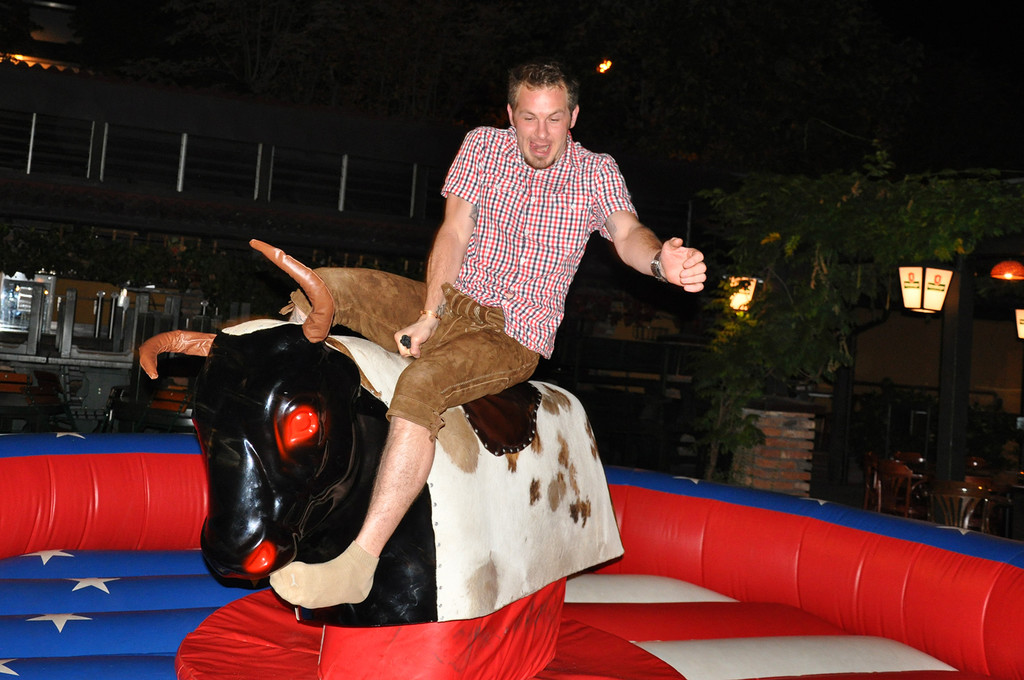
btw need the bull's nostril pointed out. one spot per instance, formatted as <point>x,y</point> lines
<point>261,559</point>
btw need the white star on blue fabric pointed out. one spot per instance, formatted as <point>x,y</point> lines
<point>4,670</point>
<point>60,620</point>
<point>97,583</point>
<point>47,555</point>
<point>963,532</point>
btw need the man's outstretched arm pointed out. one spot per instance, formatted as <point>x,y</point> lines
<point>637,246</point>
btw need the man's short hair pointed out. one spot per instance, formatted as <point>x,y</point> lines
<point>538,74</point>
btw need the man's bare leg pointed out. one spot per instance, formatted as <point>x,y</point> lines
<point>404,466</point>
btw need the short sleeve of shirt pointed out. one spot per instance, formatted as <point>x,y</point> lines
<point>611,193</point>
<point>463,178</point>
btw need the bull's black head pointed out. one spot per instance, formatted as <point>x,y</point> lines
<point>292,445</point>
<point>274,414</point>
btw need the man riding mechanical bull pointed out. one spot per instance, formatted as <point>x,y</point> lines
<point>521,204</point>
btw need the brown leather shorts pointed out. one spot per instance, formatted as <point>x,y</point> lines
<point>468,356</point>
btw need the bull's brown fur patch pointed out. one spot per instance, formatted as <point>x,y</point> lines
<point>564,462</point>
<point>512,459</point>
<point>483,586</point>
<point>538,444</point>
<point>568,480</point>
<point>459,441</point>
<point>555,402</point>
<point>579,510</point>
<point>593,441</point>
<point>556,491</point>
<point>563,452</point>
<point>534,491</point>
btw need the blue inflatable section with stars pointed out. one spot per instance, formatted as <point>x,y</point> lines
<point>84,615</point>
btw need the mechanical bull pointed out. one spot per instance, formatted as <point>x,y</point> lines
<point>290,419</point>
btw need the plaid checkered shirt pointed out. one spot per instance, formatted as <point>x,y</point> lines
<point>532,227</point>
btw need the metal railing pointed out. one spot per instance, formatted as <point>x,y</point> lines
<point>147,160</point>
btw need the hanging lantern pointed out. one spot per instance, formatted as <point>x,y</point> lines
<point>924,288</point>
<point>1008,270</point>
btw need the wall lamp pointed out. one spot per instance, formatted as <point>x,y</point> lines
<point>742,294</point>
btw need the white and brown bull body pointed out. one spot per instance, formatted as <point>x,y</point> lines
<point>291,422</point>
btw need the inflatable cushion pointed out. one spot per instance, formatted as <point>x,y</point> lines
<point>742,658</point>
<point>697,620</point>
<point>257,638</point>
<point>636,588</point>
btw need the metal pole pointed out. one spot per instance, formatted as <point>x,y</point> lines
<point>31,145</point>
<point>412,192</point>
<point>103,152</point>
<point>259,169</point>
<point>343,183</point>
<point>92,143</point>
<point>955,374</point>
<point>181,161</point>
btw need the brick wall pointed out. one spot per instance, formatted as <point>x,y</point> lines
<point>783,462</point>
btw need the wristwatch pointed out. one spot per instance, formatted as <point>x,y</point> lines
<point>656,269</point>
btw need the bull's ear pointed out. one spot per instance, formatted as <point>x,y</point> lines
<point>186,342</point>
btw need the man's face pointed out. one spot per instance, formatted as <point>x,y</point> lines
<point>542,120</point>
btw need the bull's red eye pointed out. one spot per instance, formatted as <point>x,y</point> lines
<point>300,427</point>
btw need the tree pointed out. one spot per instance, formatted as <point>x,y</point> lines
<point>827,250</point>
<point>782,86</point>
<point>777,85</point>
<point>112,33</point>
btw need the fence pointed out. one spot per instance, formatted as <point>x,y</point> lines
<point>147,160</point>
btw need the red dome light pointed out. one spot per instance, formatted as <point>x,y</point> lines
<point>1008,270</point>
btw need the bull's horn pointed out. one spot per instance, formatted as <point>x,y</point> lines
<point>186,342</point>
<point>317,325</point>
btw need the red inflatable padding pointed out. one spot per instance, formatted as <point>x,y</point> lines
<point>118,501</point>
<point>258,638</point>
<point>662,547</point>
<point>643,622</point>
<point>892,675</point>
<point>585,653</point>
<point>949,605</point>
<point>254,638</point>
<point>513,643</point>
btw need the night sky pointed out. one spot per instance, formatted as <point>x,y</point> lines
<point>985,32</point>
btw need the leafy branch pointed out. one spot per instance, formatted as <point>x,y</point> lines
<point>827,249</point>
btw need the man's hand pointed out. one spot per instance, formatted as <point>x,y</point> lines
<point>683,266</point>
<point>418,333</point>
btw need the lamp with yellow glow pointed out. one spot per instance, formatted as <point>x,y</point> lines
<point>742,292</point>
<point>924,288</point>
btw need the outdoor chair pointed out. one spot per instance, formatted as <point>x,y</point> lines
<point>959,504</point>
<point>33,406</point>
<point>872,495</point>
<point>898,490</point>
<point>169,410</point>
